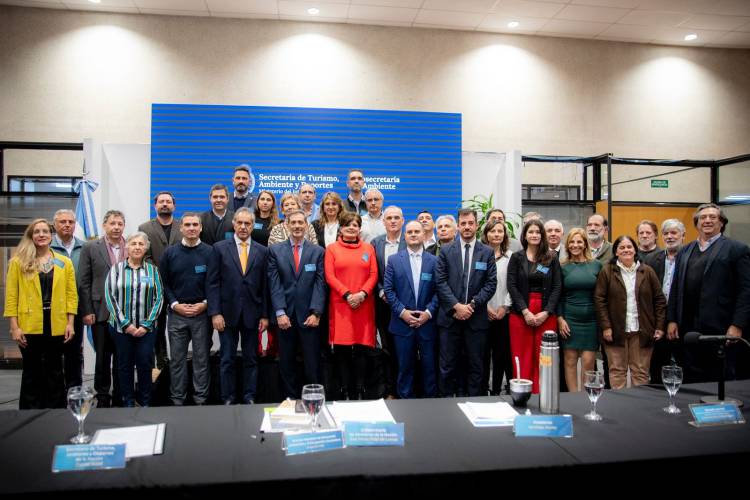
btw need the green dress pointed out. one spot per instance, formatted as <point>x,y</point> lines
<point>577,305</point>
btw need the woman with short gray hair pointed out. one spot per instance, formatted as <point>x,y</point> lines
<point>133,293</point>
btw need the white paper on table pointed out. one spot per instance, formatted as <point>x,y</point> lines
<point>361,411</point>
<point>140,441</point>
<point>499,414</point>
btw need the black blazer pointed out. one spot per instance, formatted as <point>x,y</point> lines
<point>518,284</point>
<point>301,293</point>
<point>157,238</point>
<point>320,231</point>
<point>379,245</point>
<point>725,288</point>
<point>212,231</point>
<point>482,283</point>
<point>656,261</point>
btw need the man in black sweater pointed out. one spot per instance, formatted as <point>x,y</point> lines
<point>183,269</point>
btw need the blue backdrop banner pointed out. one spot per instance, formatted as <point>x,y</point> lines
<point>414,158</point>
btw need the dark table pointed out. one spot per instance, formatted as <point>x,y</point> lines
<point>218,449</point>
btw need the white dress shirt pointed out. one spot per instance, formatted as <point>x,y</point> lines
<point>631,310</point>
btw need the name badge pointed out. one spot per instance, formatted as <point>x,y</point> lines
<point>543,426</point>
<point>200,269</point>
<point>542,269</point>
<point>228,235</point>
<point>426,277</point>
<point>366,257</point>
<point>58,262</point>
<point>72,457</point>
<point>373,434</point>
<point>480,266</point>
<point>147,280</point>
<point>310,267</point>
<point>258,225</point>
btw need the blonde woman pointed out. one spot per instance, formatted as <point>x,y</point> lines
<point>289,202</point>
<point>40,303</point>
<point>576,319</point>
<point>327,226</point>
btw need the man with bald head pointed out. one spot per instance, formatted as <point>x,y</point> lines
<point>386,246</point>
<point>372,221</point>
<point>554,232</point>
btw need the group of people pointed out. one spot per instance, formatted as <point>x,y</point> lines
<point>432,307</point>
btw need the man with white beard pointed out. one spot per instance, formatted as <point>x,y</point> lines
<point>663,262</point>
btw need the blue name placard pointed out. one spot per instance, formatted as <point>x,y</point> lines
<point>373,434</point>
<point>200,269</point>
<point>313,442</point>
<point>543,426</point>
<point>258,225</point>
<point>72,457</point>
<point>716,414</point>
<point>480,266</point>
<point>58,262</point>
<point>426,277</point>
<point>310,267</point>
<point>228,235</point>
<point>542,269</point>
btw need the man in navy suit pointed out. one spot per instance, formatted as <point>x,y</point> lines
<point>410,288</point>
<point>238,303</point>
<point>466,280</point>
<point>711,294</point>
<point>386,245</point>
<point>296,279</point>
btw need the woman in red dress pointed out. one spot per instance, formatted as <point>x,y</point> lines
<point>351,273</point>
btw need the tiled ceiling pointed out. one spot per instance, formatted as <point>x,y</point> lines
<point>717,23</point>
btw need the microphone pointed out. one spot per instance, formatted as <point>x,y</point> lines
<point>697,338</point>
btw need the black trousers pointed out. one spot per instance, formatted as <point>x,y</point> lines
<point>498,354</point>
<point>388,369</point>
<point>160,346</point>
<point>474,343</point>
<point>308,340</point>
<point>351,361</point>
<point>106,363</point>
<point>42,382</point>
<point>73,356</point>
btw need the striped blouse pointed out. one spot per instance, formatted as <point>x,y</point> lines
<point>133,296</point>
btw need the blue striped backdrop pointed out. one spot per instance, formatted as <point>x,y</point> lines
<point>196,146</point>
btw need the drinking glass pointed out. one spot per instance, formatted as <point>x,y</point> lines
<point>594,384</point>
<point>313,399</point>
<point>671,375</point>
<point>80,401</point>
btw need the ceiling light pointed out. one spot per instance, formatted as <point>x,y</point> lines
<point>313,11</point>
<point>513,24</point>
<point>691,37</point>
<point>95,1</point>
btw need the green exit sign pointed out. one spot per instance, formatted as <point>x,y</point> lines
<point>660,183</point>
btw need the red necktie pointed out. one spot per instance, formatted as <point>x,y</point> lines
<point>296,258</point>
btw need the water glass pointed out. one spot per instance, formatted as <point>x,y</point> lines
<point>80,400</point>
<point>671,375</point>
<point>593,382</point>
<point>313,399</point>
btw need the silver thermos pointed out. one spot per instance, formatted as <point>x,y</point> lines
<point>549,373</point>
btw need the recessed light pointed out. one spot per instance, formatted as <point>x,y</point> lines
<point>691,37</point>
<point>313,11</point>
<point>513,24</point>
<point>95,1</point>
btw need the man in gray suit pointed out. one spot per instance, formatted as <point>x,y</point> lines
<point>387,245</point>
<point>597,228</point>
<point>162,231</point>
<point>97,257</point>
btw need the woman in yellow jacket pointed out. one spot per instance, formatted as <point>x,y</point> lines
<point>40,302</point>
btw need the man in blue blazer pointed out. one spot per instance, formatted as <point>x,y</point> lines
<point>296,279</point>
<point>710,294</point>
<point>409,285</point>
<point>466,280</point>
<point>238,303</point>
<point>386,245</point>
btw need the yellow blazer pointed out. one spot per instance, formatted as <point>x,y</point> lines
<point>23,296</point>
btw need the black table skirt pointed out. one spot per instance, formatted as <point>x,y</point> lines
<point>217,449</point>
